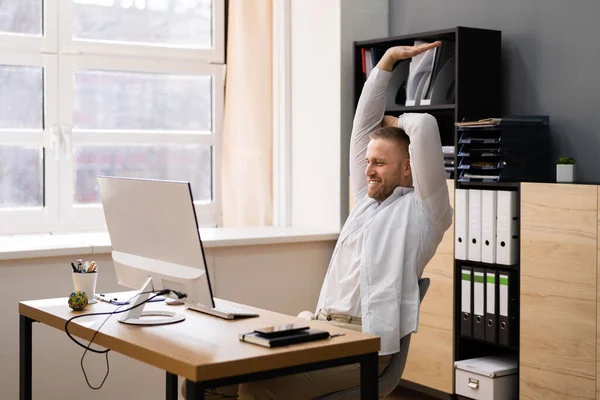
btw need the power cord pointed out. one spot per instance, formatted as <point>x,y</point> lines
<point>110,314</point>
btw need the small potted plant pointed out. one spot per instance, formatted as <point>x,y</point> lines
<point>565,169</point>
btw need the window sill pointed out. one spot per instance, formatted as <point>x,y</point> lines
<point>45,245</point>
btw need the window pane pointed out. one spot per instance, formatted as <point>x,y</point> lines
<point>141,101</point>
<point>21,16</point>
<point>21,97</point>
<point>184,23</point>
<point>191,163</point>
<point>21,177</point>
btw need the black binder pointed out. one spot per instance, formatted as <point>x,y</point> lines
<point>396,88</point>
<point>479,303</point>
<point>507,315</point>
<point>491,306</point>
<point>466,319</point>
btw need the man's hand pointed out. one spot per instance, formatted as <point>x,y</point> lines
<point>389,120</point>
<point>398,53</point>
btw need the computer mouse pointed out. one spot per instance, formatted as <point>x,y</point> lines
<point>173,302</point>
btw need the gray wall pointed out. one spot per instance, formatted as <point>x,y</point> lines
<point>551,61</point>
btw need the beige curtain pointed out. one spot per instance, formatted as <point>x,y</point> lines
<point>247,143</point>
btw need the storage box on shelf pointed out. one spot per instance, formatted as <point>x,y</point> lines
<point>487,378</point>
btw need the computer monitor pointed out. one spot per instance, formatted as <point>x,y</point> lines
<point>155,241</point>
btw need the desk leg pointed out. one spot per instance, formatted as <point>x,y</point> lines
<point>369,388</point>
<point>194,390</point>
<point>25,327</point>
<point>171,386</point>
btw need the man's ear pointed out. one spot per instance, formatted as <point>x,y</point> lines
<point>407,167</point>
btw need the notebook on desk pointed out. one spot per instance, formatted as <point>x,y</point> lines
<point>308,335</point>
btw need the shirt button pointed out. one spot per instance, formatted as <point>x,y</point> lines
<point>329,318</point>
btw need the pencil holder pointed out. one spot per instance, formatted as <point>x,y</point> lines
<point>86,282</point>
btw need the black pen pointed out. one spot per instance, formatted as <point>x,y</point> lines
<point>73,266</point>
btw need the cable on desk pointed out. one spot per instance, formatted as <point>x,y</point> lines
<point>110,314</point>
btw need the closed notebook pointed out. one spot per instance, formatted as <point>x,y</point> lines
<point>308,335</point>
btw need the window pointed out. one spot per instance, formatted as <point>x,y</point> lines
<point>106,87</point>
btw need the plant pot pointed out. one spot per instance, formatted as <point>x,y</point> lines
<point>565,172</point>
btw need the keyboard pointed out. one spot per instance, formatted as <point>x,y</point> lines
<point>231,310</point>
<point>238,312</point>
<point>223,310</point>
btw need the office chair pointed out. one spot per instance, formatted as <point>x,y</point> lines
<point>390,377</point>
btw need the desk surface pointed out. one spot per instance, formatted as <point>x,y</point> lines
<point>202,347</point>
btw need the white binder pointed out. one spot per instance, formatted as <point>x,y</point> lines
<point>461,224</point>
<point>474,250</point>
<point>507,228</point>
<point>488,225</point>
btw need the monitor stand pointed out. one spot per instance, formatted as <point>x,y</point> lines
<point>137,315</point>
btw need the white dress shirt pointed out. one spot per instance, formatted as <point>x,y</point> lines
<point>384,246</point>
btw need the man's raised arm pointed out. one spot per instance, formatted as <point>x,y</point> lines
<point>370,109</point>
<point>427,163</point>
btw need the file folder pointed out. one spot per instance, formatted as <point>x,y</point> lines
<point>491,316</point>
<point>461,223</point>
<point>474,248</point>
<point>507,315</point>
<point>507,228</point>
<point>465,303</point>
<point>489,200</point>
<point>478,303</point>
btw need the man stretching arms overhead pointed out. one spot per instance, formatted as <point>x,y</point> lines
<point>401,213</point>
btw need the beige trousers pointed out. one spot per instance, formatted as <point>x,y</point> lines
<point>306,385</point>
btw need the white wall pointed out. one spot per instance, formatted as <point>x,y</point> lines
<point>282,277</point>
<point>322,103</point>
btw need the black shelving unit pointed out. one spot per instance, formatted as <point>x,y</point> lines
<point>477,75</point>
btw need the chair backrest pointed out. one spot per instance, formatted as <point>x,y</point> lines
<point>390,378</point>
<point>423,287</point>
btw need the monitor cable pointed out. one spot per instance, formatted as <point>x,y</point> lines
<point>110,314</point>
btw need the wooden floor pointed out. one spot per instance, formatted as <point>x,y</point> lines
<point>406,394</point>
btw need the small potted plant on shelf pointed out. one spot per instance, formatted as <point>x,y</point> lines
<point>565,169</point>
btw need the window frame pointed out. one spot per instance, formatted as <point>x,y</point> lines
<point>44,218</point>
<point>69,45</point>
<point>91,217</point>
<point>47,42</point>
<point>58,54</point>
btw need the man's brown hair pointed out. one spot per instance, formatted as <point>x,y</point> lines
<point>392,133</point>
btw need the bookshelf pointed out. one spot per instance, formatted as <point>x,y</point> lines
<point>477,75</point>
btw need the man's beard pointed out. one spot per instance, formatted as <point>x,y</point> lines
<point>384,190</point>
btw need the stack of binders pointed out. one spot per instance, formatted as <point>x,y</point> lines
<point>487,226</point>
<point>489,305</point>
<point>512,149</point>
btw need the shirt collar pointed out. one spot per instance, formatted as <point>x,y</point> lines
<point>398,192</point>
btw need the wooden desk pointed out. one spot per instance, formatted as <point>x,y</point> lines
<point>203,348</point>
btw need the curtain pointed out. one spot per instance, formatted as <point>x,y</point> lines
<point>247,142</point>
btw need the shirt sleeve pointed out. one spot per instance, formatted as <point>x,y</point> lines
<point>427,163</point>
<point>368,117</point>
